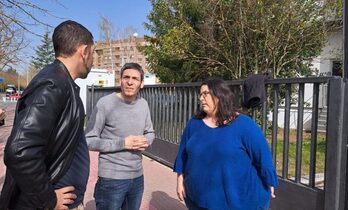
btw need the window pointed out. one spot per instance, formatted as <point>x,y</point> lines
<point>337,68</point>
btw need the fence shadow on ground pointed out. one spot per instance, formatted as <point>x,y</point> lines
<point>162,201</point>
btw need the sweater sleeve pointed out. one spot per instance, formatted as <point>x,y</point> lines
<point>181,157</point>
<point>94,129</point>
<point>259,151</point>
<point>148,131</point>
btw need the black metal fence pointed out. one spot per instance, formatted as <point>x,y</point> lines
<point>311,165</point>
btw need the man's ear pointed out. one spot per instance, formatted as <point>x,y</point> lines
<point>83,49</point>
<point>142,84</point>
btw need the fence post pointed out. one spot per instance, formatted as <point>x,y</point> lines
<point>336,145</point>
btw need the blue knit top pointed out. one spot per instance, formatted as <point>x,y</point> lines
<point>228,167</point>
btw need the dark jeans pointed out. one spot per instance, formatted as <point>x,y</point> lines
<point>115,194</point>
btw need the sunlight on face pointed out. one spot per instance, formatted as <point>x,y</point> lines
<point>131,83</point>
<point>208,102</point>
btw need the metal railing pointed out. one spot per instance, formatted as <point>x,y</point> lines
<point>299,156</point>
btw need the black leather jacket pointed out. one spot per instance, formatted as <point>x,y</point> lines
<point>47,126</point>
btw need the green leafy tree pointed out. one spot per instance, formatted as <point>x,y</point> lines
<point>44,53</point>
<point>231,39</point>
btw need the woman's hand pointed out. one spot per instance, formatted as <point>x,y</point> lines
<point>180,188</point>
<point>272,192</point>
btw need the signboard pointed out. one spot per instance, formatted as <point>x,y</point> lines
<point>2,80</point>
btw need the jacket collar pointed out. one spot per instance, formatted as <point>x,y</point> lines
<point>66,72</point>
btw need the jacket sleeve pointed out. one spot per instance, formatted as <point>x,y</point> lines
<point>37,115</point>
<point>95,126</point>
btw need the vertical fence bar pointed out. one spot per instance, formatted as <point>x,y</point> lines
<point>254,113</point>
<point>185,105</point>
<point>264,113</point>
<point>299,134</point>
<point>92,97</point>
<point>158,109</point>
<point>286,131</point>
<point>162,114</point>
<point>166,121</point>
<point>176,111</point>
<point>314,127</point>
<point>195,95</point>
<point>190,103</point>
<point>275,123</point>
<point>181,104</point>
<point>88,101</point>
<point>171,116</point>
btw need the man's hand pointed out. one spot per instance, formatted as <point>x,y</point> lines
<point>64,197</point>
<point>2,114</point>
<point>136,142</point>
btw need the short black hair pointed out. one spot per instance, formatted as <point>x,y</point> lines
<point>135,66</point>
<point>68,36</point>
<point>226,111</point>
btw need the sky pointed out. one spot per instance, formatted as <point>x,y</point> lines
<point>121,13</point>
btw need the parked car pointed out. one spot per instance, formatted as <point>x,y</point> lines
<point>10,91</point>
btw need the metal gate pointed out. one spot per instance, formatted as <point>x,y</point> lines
<point>311,165</point>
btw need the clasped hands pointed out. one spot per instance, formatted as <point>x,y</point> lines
<point>139,143</point>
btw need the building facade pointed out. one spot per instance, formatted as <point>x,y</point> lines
<point>330,60</point>
<point>114,55</point>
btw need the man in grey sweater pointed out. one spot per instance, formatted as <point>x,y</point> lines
<point>119,129</point>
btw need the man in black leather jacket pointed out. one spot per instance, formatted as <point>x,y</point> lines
<point>46,154</point>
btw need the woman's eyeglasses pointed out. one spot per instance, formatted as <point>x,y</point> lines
<point>204,94</point>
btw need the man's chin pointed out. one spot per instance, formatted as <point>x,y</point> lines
<point>84,76</point>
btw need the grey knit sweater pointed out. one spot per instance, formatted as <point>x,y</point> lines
<point>111,121</point>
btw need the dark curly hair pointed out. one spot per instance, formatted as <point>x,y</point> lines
<point>226,112</point>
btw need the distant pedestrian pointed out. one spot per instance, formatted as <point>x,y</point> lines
<point>46,154</point>
<point>119,128</point>
<point>224,161</point>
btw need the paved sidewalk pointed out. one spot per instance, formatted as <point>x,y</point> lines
<point>160,181</point>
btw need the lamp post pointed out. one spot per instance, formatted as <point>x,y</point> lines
<point>19,83</point>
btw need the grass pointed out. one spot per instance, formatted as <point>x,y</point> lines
<point>305,159</point>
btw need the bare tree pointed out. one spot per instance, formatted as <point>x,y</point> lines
<point>11,41</point>
<point>20,13</point>
<point>107,32</point>
<point>110,34</point>
<point>17,17</point>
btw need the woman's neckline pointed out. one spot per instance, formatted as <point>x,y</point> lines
<point>211,127</point>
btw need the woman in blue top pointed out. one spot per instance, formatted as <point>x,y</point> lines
<point>224,161</point>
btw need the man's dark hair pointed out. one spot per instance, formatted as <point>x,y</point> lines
<point>68,36</point>
<point>226,112</point>
<point>135,66</point>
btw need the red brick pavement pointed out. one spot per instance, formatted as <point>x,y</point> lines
<point>160,181</point>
